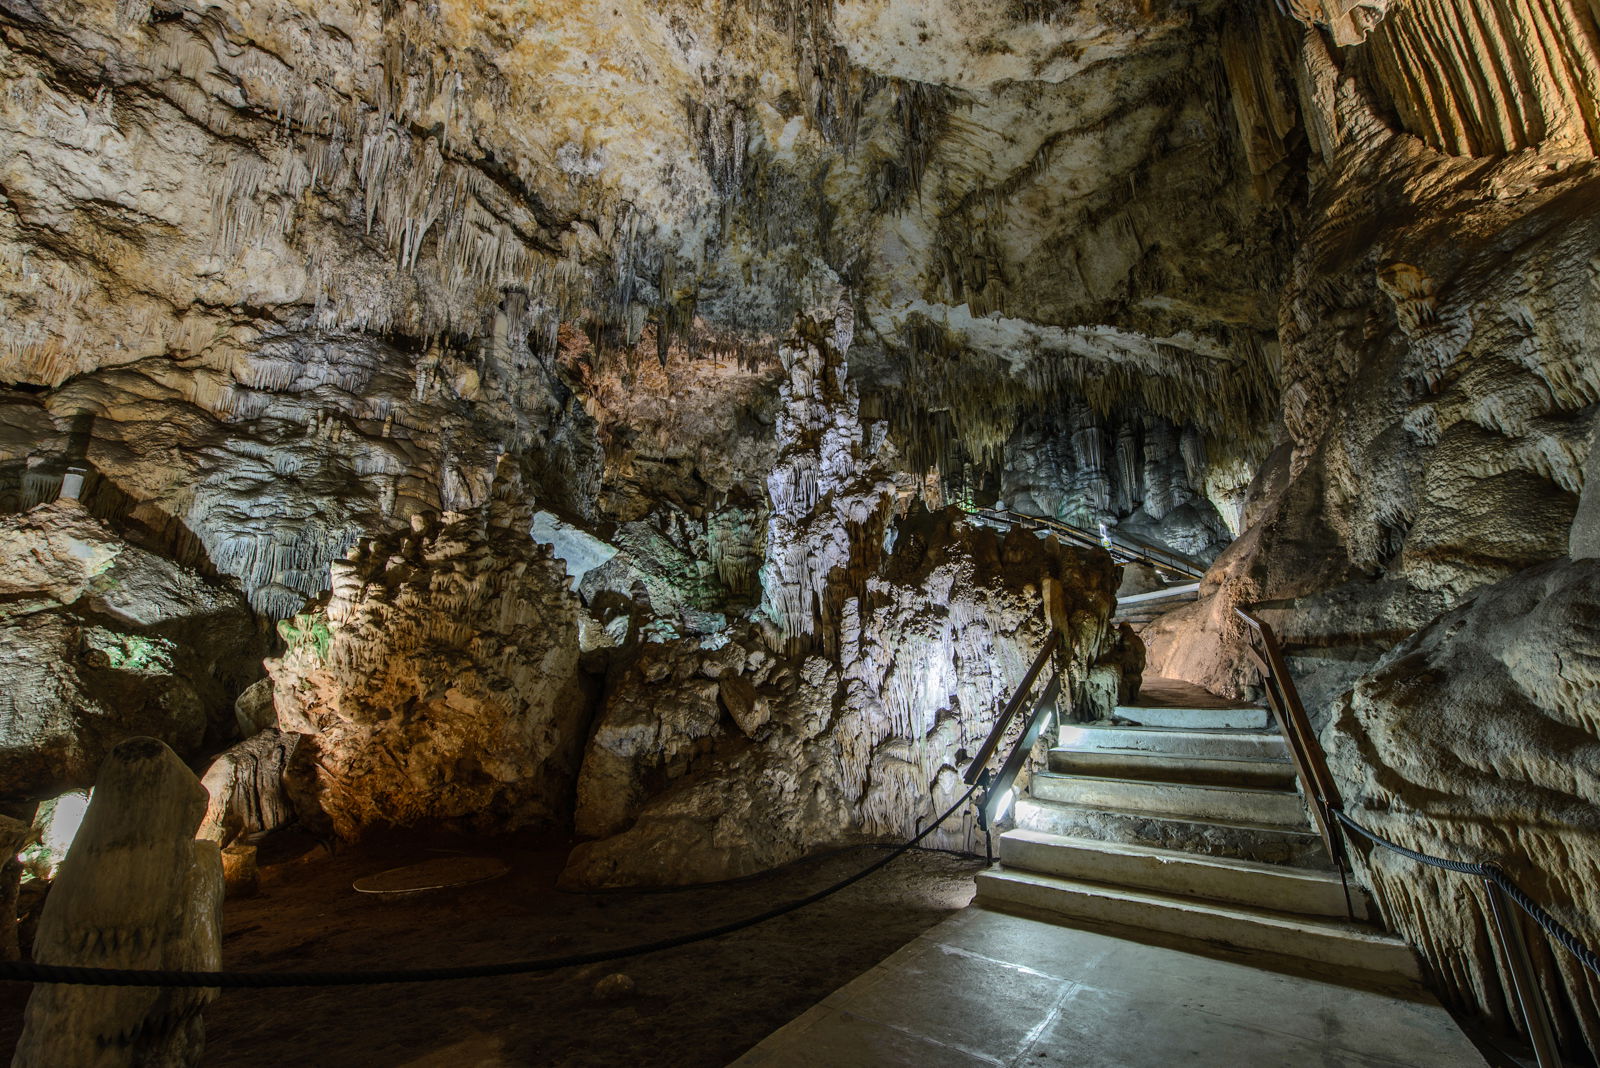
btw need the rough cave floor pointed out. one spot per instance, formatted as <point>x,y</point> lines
<point>701,1005</point>
<point>988,988</point>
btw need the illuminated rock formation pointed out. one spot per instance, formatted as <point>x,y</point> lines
<point>440,682</point>
<point>862,738</point>
<point>883,650</point>
<point>136,891</point>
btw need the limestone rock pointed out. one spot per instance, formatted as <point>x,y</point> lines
<point>254,710</point>
<point>1479,738</point>
<point>614,986</point>
<point>246,787</point>
<point>136,891</point>
<point>441,681</point>
<point>861,743</point>
<point>748,708</point>
<point>101,640</point>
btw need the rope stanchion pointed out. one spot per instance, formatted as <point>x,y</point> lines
<point>30,972</point>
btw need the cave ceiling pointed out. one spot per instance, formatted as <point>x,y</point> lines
<point>204,203</point>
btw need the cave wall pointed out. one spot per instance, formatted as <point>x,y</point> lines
<point>1478,737</point>
<point>847,705</point>
<point>1438,408</point>
<point>727,287</point>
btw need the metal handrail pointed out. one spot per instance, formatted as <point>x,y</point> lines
<point>1317,782</point>
<point>1310,765</point>
<point>986,751</point>
<point>1000,790</point>
<point>1122,545</point>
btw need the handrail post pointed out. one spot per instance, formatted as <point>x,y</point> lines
<point>1514,948</point>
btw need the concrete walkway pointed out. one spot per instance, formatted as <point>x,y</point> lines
<point>987,988</point>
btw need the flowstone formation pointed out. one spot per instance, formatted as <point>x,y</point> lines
<point>440,682</point>
<point>101,640</point>
<point>1479,738</point>
<point>709,763</point>
<point>136,891</point>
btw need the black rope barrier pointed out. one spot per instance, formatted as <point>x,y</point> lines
<point>1495,874</point>
<point>30,972</point>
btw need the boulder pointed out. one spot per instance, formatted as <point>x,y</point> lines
<point>101,640</point>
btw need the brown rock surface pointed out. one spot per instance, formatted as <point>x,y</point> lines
<point>440,682</point>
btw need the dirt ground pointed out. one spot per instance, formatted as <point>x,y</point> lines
<point>703,1004</point>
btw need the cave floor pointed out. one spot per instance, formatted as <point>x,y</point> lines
<point>703,1004</point>
<point>1158,692</point>
<point>986,988</point>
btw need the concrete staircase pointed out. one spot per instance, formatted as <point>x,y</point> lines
<point>1140,608</point>
<point>1183,824</point>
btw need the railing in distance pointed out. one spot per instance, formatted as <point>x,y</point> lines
<point>1122,546</point>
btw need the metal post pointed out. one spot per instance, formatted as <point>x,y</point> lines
<point>1535,1016</point>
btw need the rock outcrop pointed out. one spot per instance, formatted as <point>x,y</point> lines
<point>1437,401</point>
<point>846,706</point>
<point>100,641</point>
<point>717,759</point>
<point>440,682</point>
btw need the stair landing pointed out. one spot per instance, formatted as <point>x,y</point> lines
<point>988,988</point>
<point>1158,692</point>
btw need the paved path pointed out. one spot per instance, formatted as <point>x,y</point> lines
<point>987,988</point>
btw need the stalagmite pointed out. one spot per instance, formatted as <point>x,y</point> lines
<point>136,891</point>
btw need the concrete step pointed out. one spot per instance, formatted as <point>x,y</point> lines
<point>1358,951</point>
<point>1236,759</point>
<point>1175,741</point>
<point>1239,882</point>
<point>1299,846</point>
<point>1187,591</point>
<point>1245,804</point>
<point>1249,717</point>
<point>1133,764</point>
